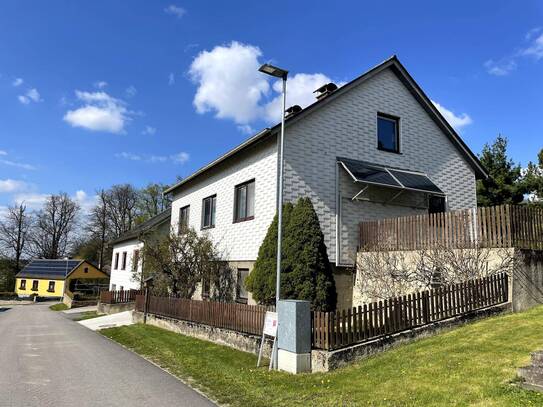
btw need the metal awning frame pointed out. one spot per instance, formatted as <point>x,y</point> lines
<point>400,186</point>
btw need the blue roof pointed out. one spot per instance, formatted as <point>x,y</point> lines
<point>49,269</point>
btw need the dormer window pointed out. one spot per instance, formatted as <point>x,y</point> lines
<point>388,133</point>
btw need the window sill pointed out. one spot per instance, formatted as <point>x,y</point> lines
<point>207,227</point>
<point>50,291</point>
<point>243,219</point>
<point>390,151</point>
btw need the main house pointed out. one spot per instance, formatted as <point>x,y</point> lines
<point>374,148</point>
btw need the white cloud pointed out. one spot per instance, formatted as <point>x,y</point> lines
<point>31,200</point>
<point>11,185</point>
<point>2,152</point>
<point>456,121</point>
<point>17,82</point>
<point>85,201</point>
<point>100,84</point>
<point>175,10</point>
<point>131,91</point>
<point>501,68</point>
<point>17,164</point>
<point>128,156</point>
<point>230,85</point>
<point>100,112</point>
<point>179,158</point>
<point>171,79</point>
<point>148,130</point>
<point>229,82</point>
<point>31,95</point>
<point>535,49</point>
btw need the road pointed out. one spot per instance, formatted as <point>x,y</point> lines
<point>48,360</point>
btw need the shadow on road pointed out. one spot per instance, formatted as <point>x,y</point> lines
<point>4,309</point>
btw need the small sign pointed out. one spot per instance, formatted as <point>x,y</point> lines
<point>270,324</point>
<point>270,329</point>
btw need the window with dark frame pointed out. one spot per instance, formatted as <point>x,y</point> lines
<point>51,287</point>
<point>241,292</point>
<point>388,133</point>
<point>436,204</point>
<point>208,211</point>
<point>184,214</point>
<point>116,261</point>
<point>244,201</point>
<point>35,284</point>
<point>123,263</point>
<point>22,285</point>
<point>135,260</point>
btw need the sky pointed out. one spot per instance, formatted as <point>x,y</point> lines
<point>106,92</point>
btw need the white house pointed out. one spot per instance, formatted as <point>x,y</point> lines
<point>126,263</point>
<point>376,147</point>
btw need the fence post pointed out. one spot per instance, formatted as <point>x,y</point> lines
<point>425,307</point>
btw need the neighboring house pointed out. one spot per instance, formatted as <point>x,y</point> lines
<point>126,259</point>
<point>377,147</point>
<point>55,278</point>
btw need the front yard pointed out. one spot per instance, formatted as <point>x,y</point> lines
<point>472,365</point>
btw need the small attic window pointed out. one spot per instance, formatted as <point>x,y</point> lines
<point>388,133</point>
<point>86,270</point>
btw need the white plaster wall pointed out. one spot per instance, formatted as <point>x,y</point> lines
<point>125,278</point>
<point>237,241</point>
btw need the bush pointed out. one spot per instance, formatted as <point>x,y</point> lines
<point>306,273</point>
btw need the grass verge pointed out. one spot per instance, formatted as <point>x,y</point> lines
<point>471,365</point>
<point>58,307</point>
<point>86,315</point>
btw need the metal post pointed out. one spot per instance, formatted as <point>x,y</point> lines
<point>280,203</point>
<point>146,303</point>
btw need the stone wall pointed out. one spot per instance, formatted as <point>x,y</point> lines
<point>115,308</point>
<point>527,283</point>
<point>233,339</point>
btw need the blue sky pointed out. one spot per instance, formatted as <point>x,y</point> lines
<point>104,92</point>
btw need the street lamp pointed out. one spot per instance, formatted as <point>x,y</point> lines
<point>278,73</point>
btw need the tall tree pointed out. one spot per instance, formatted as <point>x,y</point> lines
<point>534,180</point>
<point>504,184</point>
<point>121,203</point>
<point>98,228</point>
<point>151,201</point>
<point>306,273</point>
<point>53,233</point>
<point>14,232</point>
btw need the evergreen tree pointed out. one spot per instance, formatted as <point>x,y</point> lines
<point>504,184</point>
<point>534,180</point>
<point>306,273</point>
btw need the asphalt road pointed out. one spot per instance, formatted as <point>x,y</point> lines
<point>49,360</point>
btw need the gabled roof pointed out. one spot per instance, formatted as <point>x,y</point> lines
<point>400,71</point>
<point>149,224</point>
<point>49,269</point>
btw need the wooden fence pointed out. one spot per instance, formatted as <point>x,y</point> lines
<point>496,226</point>
<point>237,317</point>
<point>119,296</point>
<point>333,330</point>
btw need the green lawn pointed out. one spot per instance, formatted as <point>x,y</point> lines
<point>471,365</point>
<point>86,315</point>
<point>59,307</point>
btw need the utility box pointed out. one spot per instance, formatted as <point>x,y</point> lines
<point>294,336</point>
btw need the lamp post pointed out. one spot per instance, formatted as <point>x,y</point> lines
<point>278,73</point>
